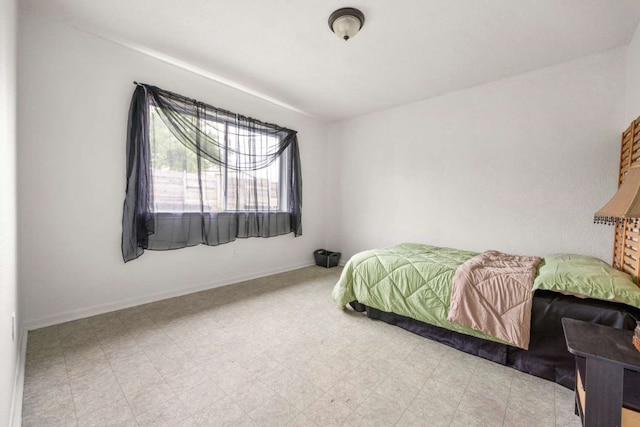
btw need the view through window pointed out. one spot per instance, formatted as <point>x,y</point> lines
<point>178,187</point>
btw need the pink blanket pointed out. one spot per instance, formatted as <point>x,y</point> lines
<point>492,293</point>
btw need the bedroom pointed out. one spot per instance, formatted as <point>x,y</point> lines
<point>361,191</point>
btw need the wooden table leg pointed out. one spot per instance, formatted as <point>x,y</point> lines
<point>604,381</point>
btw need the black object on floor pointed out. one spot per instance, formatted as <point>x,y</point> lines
<point>325,258</point>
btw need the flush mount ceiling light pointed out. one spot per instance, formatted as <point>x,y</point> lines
<point>346,22</point>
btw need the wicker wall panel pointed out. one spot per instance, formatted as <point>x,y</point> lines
<point>626,255</point>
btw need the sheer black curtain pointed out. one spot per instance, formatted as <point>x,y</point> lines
<point>197,174</point>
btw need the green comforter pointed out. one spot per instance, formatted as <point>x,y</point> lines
<point>415,281</point>
<point>410,279</point>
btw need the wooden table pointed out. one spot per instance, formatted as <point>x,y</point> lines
<point>608,352</point>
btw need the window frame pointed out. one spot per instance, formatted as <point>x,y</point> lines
<point>283,159</point>
<point>144,228</point>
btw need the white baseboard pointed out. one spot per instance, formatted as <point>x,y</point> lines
<point>68,316</point>
<point>18,385</point>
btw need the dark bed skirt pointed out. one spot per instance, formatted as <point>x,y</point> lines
<point>547,356</point>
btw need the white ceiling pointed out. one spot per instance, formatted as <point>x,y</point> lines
<point>408,50</point>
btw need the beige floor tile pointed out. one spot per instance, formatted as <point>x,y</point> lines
<point>201,396</point>
<point>231,379</point>
<point>169,358</point>
<point>60,416</point>
<point>441,388</point>
<point>131,379</point>
<point>301,421</point>
<point>189,422</point>
<point>366,376</point>
<point>181,333</point>
<point>483,406</point>
<point>229,359</point>
<point>49,333</point>
<point>532,385</point>
<point>235,342</point>
<point>276,411</point>
<point>413,377</point>
<point>432,413</point>
<point>113,328</point>
<point>81,339</point>
<point>89,396</point>
<point>568,421</point>
<point>259,364</point>
<point>81,359</point>
<point>397,391</point>
<point>44,348</point>
<point>564,407</point>
<point>491,371</point>
<point>252,395</point>
<point>423,361</point>
<point>382,365</point>
<point>409,419</point>
<point>105,321</point>
<point>340,365</point>
<point>144,396</point>
<point>47,398</point>
<point>147,335</point>
<point>46,371</point>
<point>274,348</point>
<point>299,392</point>
<point>114,414</point>
<point>527,416</point>
<point>278,376</point>
<point>74,328</point>
<point>284,352</point>
<point>327,411</point>
<point>477,419</point>
<point>224,413</point>
<point>119,346</point>
<point>437,401</point>
<point>182,380</point>
<point>169,413</point>
<point>453,375</point>
<point>132,365</point>
<point>325,378</point>
<point>89,372</point>
<point>377,410</point>
<point>396,349</point>
<point>349,392</point>
<point>534,404</point>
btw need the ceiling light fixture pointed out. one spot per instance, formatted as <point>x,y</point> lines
<point>346,22</point>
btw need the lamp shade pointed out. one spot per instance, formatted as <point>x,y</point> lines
<point>625,204</point>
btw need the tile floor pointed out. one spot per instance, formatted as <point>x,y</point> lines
<point>274,351</point>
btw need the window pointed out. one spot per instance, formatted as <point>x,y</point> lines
<point>178,174</point>
<point>199,174</point>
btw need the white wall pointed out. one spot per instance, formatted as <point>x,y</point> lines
<point>518,165</point>
<point>74,94</point>
<point>633,78</point>
<point>9,349</point>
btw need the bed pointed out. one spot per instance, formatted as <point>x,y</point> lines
<point>410,286</point>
